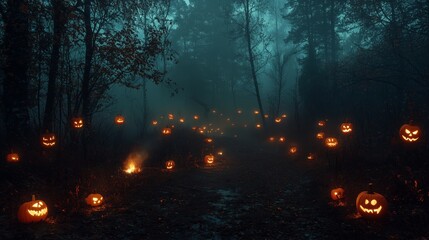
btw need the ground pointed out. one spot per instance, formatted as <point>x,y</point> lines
<point>254,191</point>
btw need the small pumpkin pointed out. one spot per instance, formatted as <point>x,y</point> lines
<point>293,150</point>
<point>77,122</point>
<point>12,157</point>
<point>409,133</point>
<point>94,199</point>
<point>32,211</point>
<point>154,122</point>
<point>278,120</point>
<point>321,123</point>
<point>208,140</point>
<point>282,139</point>
<point>346,128</point>
<point>170,164</point>
<point>331,142</point>
<point>48,140</point>
<point>170,116</point>
<point>166,131</point>
<point>320,135</point>
<point>196,117</point>
<point>181,120</point>
<point>337,194</point>
<point>311,156</point>
<point>209,159</point>
<point>119,120</point>
<point>370,204</point>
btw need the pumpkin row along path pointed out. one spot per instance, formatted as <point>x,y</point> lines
<point>254,192</point>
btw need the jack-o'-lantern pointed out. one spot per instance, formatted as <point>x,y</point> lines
<point>119,120</point>
<point>409,133</point>
<point>320,135</point>
<point>282,139</point>
<point>170,164</point>
<point>220,153</point>
<point>337,194</point>
<point>77,122</point>
<point>293,150</point>
<point>256,112</point>
<point>181,120</point>
<point>209,159</point>
<point>196,117</point>
<point>166,131</point>
<point>271,139</point>
<point>278,120</point>
<point>258,125</point>
<point>32,211</point>
<point>346,128</point>
<point>154,122</point>
<point>284,115</point>
<point>208,140</point>
<point>48,140</point>
<point>266,116</point>
<point>12,157</point>
<point>239,111</point>
<point>370,204</point>
<point>321,123</point>
<point>170,116</point>
<point>331,142</point>
<point>311,156</point>
<point>94,199</point>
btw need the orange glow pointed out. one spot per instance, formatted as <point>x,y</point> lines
<point>320,135</point>
<point>182,120</point>
<point>282,139</point>
<point>119,120</point>
<point>170,116</point>
<point>196,117</point>
<point>321,123</point>
<point>154,122</point>
<point>256,112</point>
<point>166,131</point>
<point>278,120</point>
<point>293,150</point>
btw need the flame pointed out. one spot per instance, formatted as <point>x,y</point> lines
<point>134,162</point>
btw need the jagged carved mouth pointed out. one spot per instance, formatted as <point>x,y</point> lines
<point>409,139</point>
<point>377,210</point>
<point>38,213</point>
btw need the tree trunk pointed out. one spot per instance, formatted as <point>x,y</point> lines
<point>59,22</point>
<point>15,84</point>
<point>89,52</point>
<point>251,59</point>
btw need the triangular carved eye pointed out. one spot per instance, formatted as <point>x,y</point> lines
<point>366,201</point>
<point>407,131</point>
<point>415,132</point>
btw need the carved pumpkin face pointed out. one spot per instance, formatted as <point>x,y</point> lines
<point>77,122</point>
<point>94,199</point>
<point>33,211</point>
<point>208,140</point>
<point>409,133</point>
<point>181,120</point>
<point>166,131</point>
<point>278,120</point>
<point>170,116</point>
<point>12,157</point>
<point>311,156</point>
<point>209,159</point>
<point>337,193</point>
<point>321,123</point>
<point>119,120</point>
<point>293,150</point>
<point>371,204</point>
<point>196,117</point>
<point>170,164</point>
<point>346,128</point>
<point>282,139</point>
<point>48,140</point>
<point>258,125</point>
<point>154,122</point>
<point>331,142</point>
<point>271,139</point>
<point>320,135</point>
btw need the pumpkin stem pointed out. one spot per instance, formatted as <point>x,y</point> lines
<point>33,197</point>
<point>370,190</point>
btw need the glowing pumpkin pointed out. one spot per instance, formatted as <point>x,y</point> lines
<point>409,133</point>
<point>311,156</point>
<point>337,194</point>
<point>12,157</point>
<point>209,159</point>
<point>258,125</point>
<point>321,123</point>
<point>346,128</point>
<point>77,122</point>
<point>331,142</point>
<point>94,199</point>
<point>266,116</point>
<point>282,139</point>
<point>284,115</point>
<point>320,135</point>
<point>256,112</point>
<point>170,164</point>
<point>208,140</point>
<point>239,111</point>
<point>166,131</point>
<point>154,122</point>
<point>196,117</point>
<point>293,150</point>
<point>119,120</point>
<point>278,120</point>
<point>271,139</point>
<point>32,211</point>
<point>170,116</point>
<point>48,140</point>
<point>370,204</point>
<point>181,120</point>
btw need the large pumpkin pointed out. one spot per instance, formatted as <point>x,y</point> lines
<point>32,211</point>
<point>94,199</point>
<point>331,142</point>
<point>409,133</point>
<point>370,204</point>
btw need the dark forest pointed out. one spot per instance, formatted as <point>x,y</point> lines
<point>214,119</point>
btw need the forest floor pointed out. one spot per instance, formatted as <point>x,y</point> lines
<point>253,192</point>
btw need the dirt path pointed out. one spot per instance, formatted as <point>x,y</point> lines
<point>253,192</point>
